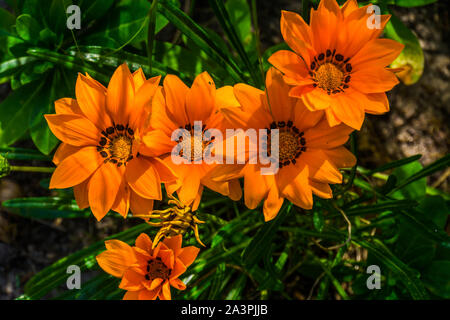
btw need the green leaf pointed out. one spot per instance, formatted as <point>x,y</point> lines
<point>12,66</point>
<point>263,238</point>
<point>408,276</point>
<point>411,58</point>
<point>27,28</point>
<point>395,164</point>
<point>11,153</point>
<point>40,133</point>
<point>15,111</point>
<point>428,170</point>
<point>200,37</point>
<point>52,276</point>
<point>6,20</point>
<point>437,278</point>
<point>412,190</point>
<point>45,208</point>
<point>229,27</point>
<point>318,220</point>
<point>413,3</point>
<point>217,282</point>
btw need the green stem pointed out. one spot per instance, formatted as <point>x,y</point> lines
<point>32,169</point>
<point>151,33</point>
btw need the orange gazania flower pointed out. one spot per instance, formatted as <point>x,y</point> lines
<point>101,132</point>
<point>310,151</point>
<point>178,106</point>
<point>147,273</point>
<point>339,63</point>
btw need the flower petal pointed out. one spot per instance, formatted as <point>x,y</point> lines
<point>200,99</point>
<point>117,258</point>
<point>76,168</point>
<point>143,178</point>
<point>188,255</point>
<point>73,129</point>
<point>175,92</point>
<point>103,189</point>
<point>120,95</point>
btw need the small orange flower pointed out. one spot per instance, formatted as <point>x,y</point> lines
<point>178,106</point>
<point>101,132</point>
<point>147,273</point>
<point>310,151</point>
<point>339,63</point>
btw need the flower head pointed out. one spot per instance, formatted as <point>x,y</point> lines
<point>177,106</point>
<point>339,63</point>
<point>310,151</point>
<point>147,273</point>
<point>101,133</point>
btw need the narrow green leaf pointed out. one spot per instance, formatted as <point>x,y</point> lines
<point>27,28</point>
<point>394,164</point>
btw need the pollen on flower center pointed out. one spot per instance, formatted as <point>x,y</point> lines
<point>331,71</point>
<point>116,144</point>
<point>195,142</point>
<point>121,147</point>
<point>157,269</point>
<point>329,77</point>
<point>288,145</point>
<point>291,142</point>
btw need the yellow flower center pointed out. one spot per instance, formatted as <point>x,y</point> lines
<point>288,145</point>
<point>116,144</point>
<point>121,147</point>
<point>329,77</point>
<point>196,143</point>
<point>291,142</point>
<point>157,269</point>
<point>331,71</point>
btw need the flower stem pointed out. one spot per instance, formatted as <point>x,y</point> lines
<point>32,169</point>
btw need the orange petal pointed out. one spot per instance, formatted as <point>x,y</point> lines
<point>320,168</point>
<point>272,203</point>
<point>235,190</point>
<point>373,80</point>
<point>76,168</point>
<point>131,295</point>
<point>316,99</point>
<point>253,103</point>
<point>140,205</point>
<point>64,150</point>
<point>138,79</point>
<point>320,189</point>
<point>305,118</point>
<point>67,106</point>
<point>81,192</point>
<point>122,202</point>
<point>376,103</point>
<point>144,242</point>
<point>73,129</point>
<point>348,7</point>
<point>120,95</point>
<point>165,292</point>
<point>142,102</point>
<point>376,53</point>
<point>188,255</point>
<point>296,33</point>
<point>165,172</point>
<point>149,295</point>
<point>156,143</point>
<point>281,105</point>
<point>175,92</point>
<point>103,189</point>
<point>349,110</point>
<point>177,284</point>
<point>340,157</point>
<point>117,258</point>
<point>292,66</point>
<point>255,187</point>
<point>200,99</point>
<point>131,280</point>
<point>143,178</point>
<point>322,136</point>
<point>299,192</point>
<point>174,243</point>
<point>91,97</point>
<point>190,185</point>
<point>225,98</point>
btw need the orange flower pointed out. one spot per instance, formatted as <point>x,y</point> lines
<point>310,151</point>
<point>339,64</point>
<point>101,132</point>
<point>178,106</point>
<point>147,273</point>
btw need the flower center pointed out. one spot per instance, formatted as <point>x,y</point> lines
<point>116,144</point>
<point>328,77</point>
<point>291,142</point>
<point>195,142</point>
<point>121,147</point>
<point>330,72</point>
<point>157,269</point>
